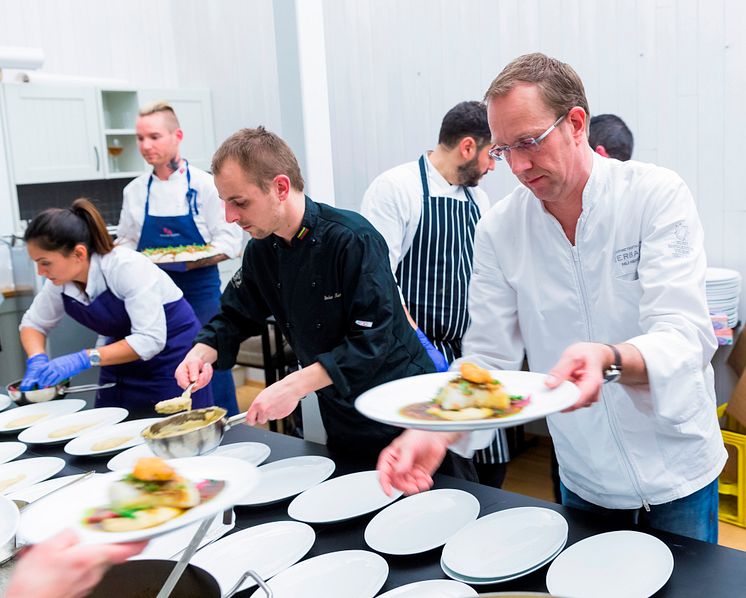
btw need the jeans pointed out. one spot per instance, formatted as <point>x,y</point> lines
<point>694,516</point>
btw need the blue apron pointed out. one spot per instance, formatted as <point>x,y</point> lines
<point>201,286</point>
<point>140,384</point>
<point>434,279</point>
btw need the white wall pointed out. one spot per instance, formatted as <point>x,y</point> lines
<point>226,46</point>
<point>675,70</point>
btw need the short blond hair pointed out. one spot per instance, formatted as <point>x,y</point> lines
<point>560,86</point>
<point>161,107</point>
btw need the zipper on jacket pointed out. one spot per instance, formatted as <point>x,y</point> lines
<point>612,426</point>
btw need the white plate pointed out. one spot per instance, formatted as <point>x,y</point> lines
<point>477,581</point>
<point>341,498</point>
<point>421,522</point>
<point>11,450</point>
<point>288,477</point>
<point>343,574</point>
<point>9,519</point>
<point>267,549</point>
<point>432,588</point>
<point>253,452</point>
<point>383,403</point>
<point>48,409</point>
<point>170,546</point>
<point>622,564</point>
<point>83,445</point>
<point>37,491</point>
<point>33,470</point>
<point>93,418</point>
<point>4,402</point>
<point>68,507</point>
<point>506,542</point>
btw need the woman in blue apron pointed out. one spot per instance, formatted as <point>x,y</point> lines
<point>115,292</point>
<point>201,286</point>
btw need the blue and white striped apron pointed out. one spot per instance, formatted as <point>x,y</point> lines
<point>434,279</point>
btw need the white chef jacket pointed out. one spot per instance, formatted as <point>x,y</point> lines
<point>393,204</point>
<point>168,198</point>
<point>636,275</point>
<point>131,277</point>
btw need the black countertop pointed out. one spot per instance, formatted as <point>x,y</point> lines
<point>700,569</point>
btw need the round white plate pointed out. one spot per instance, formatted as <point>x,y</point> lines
<point>384,403</point>
<point>253,452</point>
<point>477,581</point>
<point>615,564</point>
<point>421,522</point>
<point>721,275</point>
<point>342,574</point>
<point>285,478</point>
<point>4,402</point>
<point>9,519</point>
<point>92,418</point>
<point>432,588</point>
<point>341,498</point>
<point>9,420</point>
<point>11,450</point>
<point>68,507</point>
<point>37,491</point>
<point>83,445</point>
<point>506,542</point>
<point>267,549</point>
<point>33,470</point>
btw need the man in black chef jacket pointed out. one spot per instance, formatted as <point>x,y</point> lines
<point>324,274</point>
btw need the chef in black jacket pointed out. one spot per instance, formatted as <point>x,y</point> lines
<point>323,273</point>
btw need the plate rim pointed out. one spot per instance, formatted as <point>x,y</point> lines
<point>97,431</point>
<point>31,429</point>
<point>330,463</point>
<point>80,403</point>
<point>55,462</point>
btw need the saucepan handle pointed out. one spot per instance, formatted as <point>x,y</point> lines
<point>260,582</point>
<point>234,420</point>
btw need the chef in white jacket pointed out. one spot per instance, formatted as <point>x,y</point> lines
<point>595,268</point>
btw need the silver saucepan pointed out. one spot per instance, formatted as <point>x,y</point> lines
<point>42,395</point>
<point>196,432</point>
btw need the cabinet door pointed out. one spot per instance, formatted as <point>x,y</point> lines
<point>53,133</point>
<point>194,111</point>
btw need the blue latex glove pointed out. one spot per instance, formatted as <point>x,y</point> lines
<point>64,367</point>
<point>34,367</point>
<point>441,365</point>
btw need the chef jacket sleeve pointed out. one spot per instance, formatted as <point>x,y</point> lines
<point>242,314</point>
<point>679,341</point>
<point>136,281</point>
<point>387,207</point>
<point>225,237</point>
<point>128,229</point>
<point>493,339</point>
<point>45,311</point>
<point>369,302</point>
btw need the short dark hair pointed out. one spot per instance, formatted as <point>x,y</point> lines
<point>611,131</point>
<point>467,119</point>
<point>262,156</point>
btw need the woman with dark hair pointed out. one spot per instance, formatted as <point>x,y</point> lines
<point>119,294</point>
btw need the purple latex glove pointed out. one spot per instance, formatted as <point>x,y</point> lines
<point>63,367</point>
<point>441,365</point>
<point>34,367</point>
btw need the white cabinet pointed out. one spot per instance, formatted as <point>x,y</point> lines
<point>194,110</point>
<point>53,133</point>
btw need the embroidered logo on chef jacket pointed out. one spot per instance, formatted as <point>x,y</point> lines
<point>237,278</point>
<point>364,323</point>
<point>626,261</point>
<point>679,244</point>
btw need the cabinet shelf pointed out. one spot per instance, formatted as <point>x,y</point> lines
<point>119,132</point>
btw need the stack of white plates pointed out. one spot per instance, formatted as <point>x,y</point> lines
<point>504,545</point>
<point>723,289</point>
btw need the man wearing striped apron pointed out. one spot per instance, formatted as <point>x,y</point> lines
<point>427,211</point>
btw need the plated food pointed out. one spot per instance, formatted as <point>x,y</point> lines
<point>14,420</point>
<point>149,496</point>
<point>53,430</point>
<point>475,394</point>
<point>106,440</point>
<point>179,253</point>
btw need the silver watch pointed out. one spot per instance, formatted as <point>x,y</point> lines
<point>95,357</point>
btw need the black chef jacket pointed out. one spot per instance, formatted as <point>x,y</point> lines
<point>335,299</point>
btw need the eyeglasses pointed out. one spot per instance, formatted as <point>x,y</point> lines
<point>530,144</point>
